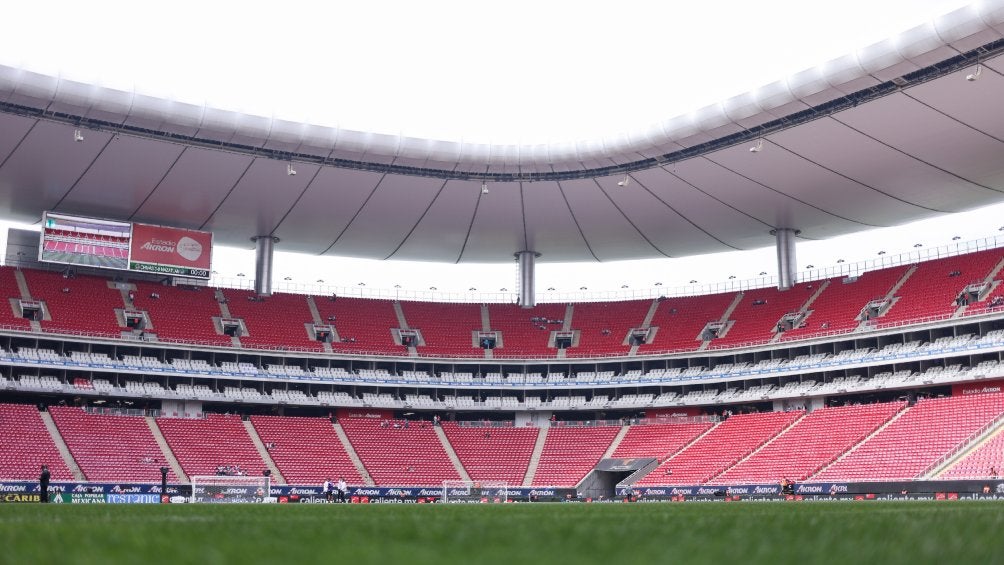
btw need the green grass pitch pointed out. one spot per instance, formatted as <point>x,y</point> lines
<point>555,534</point>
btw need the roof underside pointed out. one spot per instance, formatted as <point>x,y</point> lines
<point>893,134</point>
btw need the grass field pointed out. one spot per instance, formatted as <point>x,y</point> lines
<point>556,534</point>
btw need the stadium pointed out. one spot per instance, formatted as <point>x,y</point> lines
<point>136,377</point>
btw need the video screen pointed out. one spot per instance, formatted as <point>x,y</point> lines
<point>74,240</point>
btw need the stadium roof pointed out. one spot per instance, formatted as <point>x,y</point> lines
<point>889,134</point>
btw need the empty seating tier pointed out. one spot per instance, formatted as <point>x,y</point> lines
<point>722,447</point>
<point>396,454</point>
<point>493,454</point>
<point>603,326</point>
<point>570,453</point>
<point>25,445</point>
<point>81,304</point>
<point>659,440</point>
<point>180,314</point>
<point>911,443</point>
<point>446,327</point>
<point>306,450</point>
<point>812,443</point>
<point>363,324</point>
<point>111,448</point>
<point>525,332</point>
<point>278,321</point>
<point>202,445</point>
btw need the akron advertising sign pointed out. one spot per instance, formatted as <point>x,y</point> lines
<point>76,240</point>
<point>170,251</point>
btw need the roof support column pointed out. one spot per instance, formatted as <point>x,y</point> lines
<point>784,239</point>
<point>527,278</point>
<point>264,245</point>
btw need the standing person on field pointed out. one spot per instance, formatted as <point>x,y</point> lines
<point>43,484</point>
<point>342,488</point>
<point>328,494</point>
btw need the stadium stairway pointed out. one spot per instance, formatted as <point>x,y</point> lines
<point>806,307</point>
<point>538,449</point>
<point>315,315</point>
<point>451,453</point>
<point>277,477</point>
<point>64,451</point>
<point>725,317</point>
<point>353,456</point>
<point>402,323</point>
<point>615,443</point>
<point>221,299</point>
<point>166,450</point>
<point>646,323</point>
<point>992,431</point>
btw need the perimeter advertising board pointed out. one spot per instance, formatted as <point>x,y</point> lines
<point>170,251</point>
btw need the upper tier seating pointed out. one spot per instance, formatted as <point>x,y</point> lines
<point>659,440</point>
<point>812,443</point>
<point>397,455</point>
<point>203,445</point>
<point>720,448</point>
<point>275,321</point>
<point>180,314</point>
<point>932,289</point>
<point>491,453</point>
<point>604,325</point>
<point>111,448</point>
<point>25,445</point>
<point>366,321</point>
<point>88,306</point>
<point>446,327</point>
<point>910,444</point>
<point>758,312</point>
<point>570,453</point>
<point>306,450</point>
<point>836,308</point>
<point>681,319</point>
<point>521,337</point>
<point>364,325</point>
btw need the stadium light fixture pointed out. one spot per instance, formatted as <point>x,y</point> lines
<point>757,147</point>
<point>550,288</point>
<point>881,252</point>
<point>763,273</point>
<point>840,260</point>
<point>658,284</point>
<point>583,288</point>
<point>956,238</point>
<point>290,170</point>
<point>625,182</point>
<point>78,136</point>
<point>975,76</point>
<point>320,280</point>
<point>361,284</point>
<point>918,245</point>
<point>810,266</point>
<point>287,278</point>
<point>472,289</point>
<point>240,274</point>
<point>731,277</point>
<point>693,281</point>
<point>433,288</point>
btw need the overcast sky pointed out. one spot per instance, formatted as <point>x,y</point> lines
<point>521,72</point>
